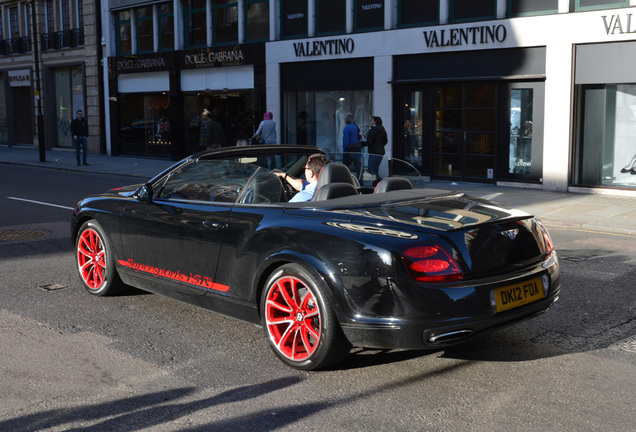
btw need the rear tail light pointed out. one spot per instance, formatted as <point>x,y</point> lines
<point>547,240</point>
<point>429,262</point>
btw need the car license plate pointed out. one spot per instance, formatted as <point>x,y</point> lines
<point>512,296</point>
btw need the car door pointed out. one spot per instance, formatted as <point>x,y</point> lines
<point>174,239</point>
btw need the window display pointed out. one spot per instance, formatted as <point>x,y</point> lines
<point>318,118</point>
<point>145,125</point>
<point>606,130</point>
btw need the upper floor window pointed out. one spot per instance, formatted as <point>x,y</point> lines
<point>472,10</point>
<point>166,26</point>
<point>225,21</point>
<point>195,29</point>
<point>1,33</point>
<point>599,4</point>
<point>330,17</point>
<point>294,18</point>
<point>369,15</point>
<point>413,13</point>
<point>256,20</point>
<point>144,27</point>
<point>123,35</point>
<point>49,16</point>
<point>80,14</point>
<point>14,23</point>
<point>532,7</point>
<point>66,15</point>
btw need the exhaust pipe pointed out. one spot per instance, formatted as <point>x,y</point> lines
<point>453,336</point>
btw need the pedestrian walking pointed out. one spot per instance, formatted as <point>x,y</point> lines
<point>376,140</point>
<point>79,130</point>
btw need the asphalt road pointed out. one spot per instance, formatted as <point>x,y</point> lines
<point>71,361</point>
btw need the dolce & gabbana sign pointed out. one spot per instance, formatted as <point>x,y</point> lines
<point>211,57</point>
<point>478,35</point>
<point>141,64</point>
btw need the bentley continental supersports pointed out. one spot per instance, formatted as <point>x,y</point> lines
<point>368,262</point>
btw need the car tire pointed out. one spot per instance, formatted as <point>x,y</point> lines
<point>299,320</point>
<point>95,261</point>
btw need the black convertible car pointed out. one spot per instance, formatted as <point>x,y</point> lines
<point>394,266</point>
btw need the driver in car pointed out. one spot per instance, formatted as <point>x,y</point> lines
<point>307,187</point>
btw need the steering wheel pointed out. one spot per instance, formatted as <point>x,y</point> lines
<point>289,191</point>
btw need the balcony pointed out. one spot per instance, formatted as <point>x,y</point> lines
<point>19,45</point>
<point>62,39</point>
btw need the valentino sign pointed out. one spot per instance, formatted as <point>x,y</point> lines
<point>324,47</point>
<point>479,35</point>
<point>615,24</point>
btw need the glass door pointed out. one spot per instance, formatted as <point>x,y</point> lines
<point>465,131</point>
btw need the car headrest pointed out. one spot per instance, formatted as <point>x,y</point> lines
<point>334,173</point>
<point>334,190</point>
<point>392,183</point>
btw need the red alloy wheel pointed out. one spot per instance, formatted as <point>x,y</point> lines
<point>91,258</point>
<point>293,318</point>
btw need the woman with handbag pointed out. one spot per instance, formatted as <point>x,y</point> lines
<point>267,130</point>
<point>351,145</point>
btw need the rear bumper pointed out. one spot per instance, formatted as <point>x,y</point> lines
<point>394,334</point>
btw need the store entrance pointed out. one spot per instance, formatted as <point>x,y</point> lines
<point>232,109</point>
<point>23,115</point>
<point>465,131</point>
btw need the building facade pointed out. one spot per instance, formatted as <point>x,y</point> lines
<point>65,46</point>
<point>520,92</point>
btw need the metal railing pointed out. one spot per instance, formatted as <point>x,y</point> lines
<point>19,45</point>
<point>62,39</point>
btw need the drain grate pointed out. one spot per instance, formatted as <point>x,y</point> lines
<point>628,344</point>
<point>15,235</point>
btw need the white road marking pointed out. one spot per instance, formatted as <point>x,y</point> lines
<point>41,203</point>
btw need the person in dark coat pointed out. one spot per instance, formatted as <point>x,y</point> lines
<point>79,131</point>
<point>376,140</point>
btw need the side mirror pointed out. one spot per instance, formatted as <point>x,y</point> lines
<point>144,193</point>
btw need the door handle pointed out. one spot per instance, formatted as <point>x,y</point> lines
<point>213,225</point>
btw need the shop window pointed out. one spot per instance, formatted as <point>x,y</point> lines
<point>418,12</point>
<point>256,20</point>
<point>317,118</point>
<point>599,4</point>
<point>413,128</point>
<point>604,142</point>
<point>472,10</point>
<point>195,27</point>
<point>330,17</point>
<point>369,15</point>
<point>532,7</point>
<point>294,18</point>
<point>144,24</point>
<point>69,97</point>
<point>123,36</point>
<point>225,21</point>
<point>166,26</point>
<point>521,122</point>
<point>145,127</point>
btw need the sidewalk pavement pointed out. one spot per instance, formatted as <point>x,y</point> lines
<point>585,211</point>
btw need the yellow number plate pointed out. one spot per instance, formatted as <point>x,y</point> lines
<point>513,296</point>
